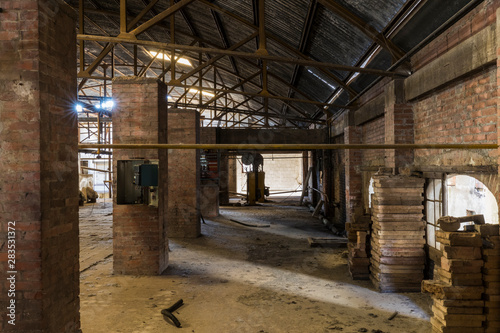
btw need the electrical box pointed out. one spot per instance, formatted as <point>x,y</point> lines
<point>148,175</point>
<point>137,182</point>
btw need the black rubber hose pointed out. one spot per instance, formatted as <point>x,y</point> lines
<point>177,305</point>
<point>168,312</point>
<point>172,317</point>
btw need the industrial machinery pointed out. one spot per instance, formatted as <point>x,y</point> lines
<point>253,166</point>
<point>137,182</point>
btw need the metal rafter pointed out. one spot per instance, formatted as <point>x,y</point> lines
<point>277,40</point>
<point>158,18</point>
<point>270,74</point>
<point>132,34</point>
<point>304,38</point>
<point>302,62</point>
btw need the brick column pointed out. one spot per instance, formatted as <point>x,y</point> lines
<point>39,167</point>
<point>328,183</point>
<point>398,125</point>
<point>184,175</point>
<point>353,181</point>
<point>139,242</point>
<point>231,186</point>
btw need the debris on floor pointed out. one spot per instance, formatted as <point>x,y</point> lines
<point>232,282</point>
<point>327,242</point>
<point>169,312</point>
<point>251,224</point>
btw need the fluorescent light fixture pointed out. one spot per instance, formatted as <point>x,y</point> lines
<point>161,55</point>
<point>79,108</point>
<point>196,91</point>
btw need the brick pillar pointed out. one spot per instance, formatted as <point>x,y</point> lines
<point>139,242</point>
<point>353,181</point>
<point>184,175</point>
<point>328,184</point>
<point>39,167</point>
<point>232,174</point>
<point>398,125</point>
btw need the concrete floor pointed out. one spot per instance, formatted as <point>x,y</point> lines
<point>239,279</point>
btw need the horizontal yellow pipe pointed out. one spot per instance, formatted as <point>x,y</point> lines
<point>250,146</point>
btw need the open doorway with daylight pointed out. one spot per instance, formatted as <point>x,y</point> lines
<point>456,195</point>
<point>281,176</point>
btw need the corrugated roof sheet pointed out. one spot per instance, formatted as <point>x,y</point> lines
<point>330,39</point>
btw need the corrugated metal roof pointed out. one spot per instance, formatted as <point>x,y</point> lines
<point>330,37</point>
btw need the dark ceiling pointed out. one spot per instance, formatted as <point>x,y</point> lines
<point>320,52</point>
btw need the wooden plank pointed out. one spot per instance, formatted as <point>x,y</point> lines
<point>400,226</point>
<point>398,260</point>
<point>459,238</point>
<point>457,310</point>
<point>397,200</point>
<point>318,208</point>
<point>442,290</point>
<point>324,242</point>
<point>381,191</point>
<point>399,251</point>
<point>397,209</point>
<point>454,264</point>
<point>461,252</point>
<point>397,217</point>
<point>440,327</point>
<point>450,303</point>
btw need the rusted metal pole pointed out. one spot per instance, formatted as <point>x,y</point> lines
<point>123,16</point>
<point>262,28</point>
<point>173,60</point>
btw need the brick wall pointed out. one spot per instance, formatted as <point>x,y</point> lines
<point>398,130</point>
<point>139,243</point>
<point>463,112</point>
<point>184,175</point>
<point>479,18</point>
<point>353,179</point>
<point>38,161</point>
<point>283,171</point>
<point>373,132</point>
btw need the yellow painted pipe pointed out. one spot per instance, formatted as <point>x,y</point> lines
<point>246,146</point>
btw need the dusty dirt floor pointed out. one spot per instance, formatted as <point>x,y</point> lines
<point>239,279</point>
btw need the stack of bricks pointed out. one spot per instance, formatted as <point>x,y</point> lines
<point>491,276</point>
<point>397,239</point>
<point>457,291</point>
<point>358,259</point>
